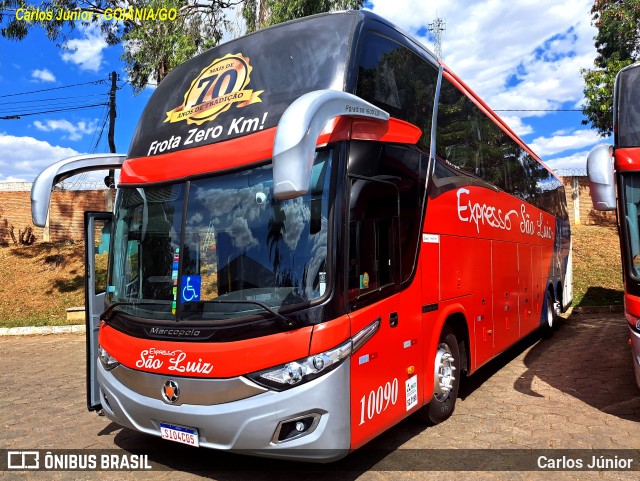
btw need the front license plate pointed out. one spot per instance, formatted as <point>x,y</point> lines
<point>180,434</point>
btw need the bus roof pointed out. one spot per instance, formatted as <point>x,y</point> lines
<point>243,86</point>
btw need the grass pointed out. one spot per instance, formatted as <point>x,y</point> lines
<point>40,282</point>
<point>597,270</point>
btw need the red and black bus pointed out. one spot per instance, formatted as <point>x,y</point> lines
<point>318,231</point>
<point>619,166</point>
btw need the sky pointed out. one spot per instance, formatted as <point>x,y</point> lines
<point>523,57</point>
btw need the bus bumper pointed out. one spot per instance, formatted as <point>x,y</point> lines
<point>635,353</point>
<point>247,425</point>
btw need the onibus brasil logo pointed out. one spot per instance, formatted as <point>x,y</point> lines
<point>219,86</point>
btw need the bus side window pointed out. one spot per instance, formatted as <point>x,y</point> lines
<point>373,237</point>
<point>459,131</point>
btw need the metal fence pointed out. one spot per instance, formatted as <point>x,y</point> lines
<point>15,186</point>
<point>577,172</point>
<point>69,185</point>
<point>81,185</point>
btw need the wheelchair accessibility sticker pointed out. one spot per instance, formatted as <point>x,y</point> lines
<point>190,289</point>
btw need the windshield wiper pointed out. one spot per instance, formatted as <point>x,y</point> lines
<point>284,321</point>
<point>107,313</point>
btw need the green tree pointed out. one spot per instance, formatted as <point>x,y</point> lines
<point>151,47</point>
<point>618,45</point>
<point>264,13</point>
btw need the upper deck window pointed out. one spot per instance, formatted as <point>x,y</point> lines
<point>628,101</point>
<point>399,81</point>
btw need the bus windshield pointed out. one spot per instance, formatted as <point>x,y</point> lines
<point>630,205</point>
<point>180,249</point>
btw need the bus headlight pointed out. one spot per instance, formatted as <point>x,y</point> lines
<point>107,360</point>
<point>295,373</point>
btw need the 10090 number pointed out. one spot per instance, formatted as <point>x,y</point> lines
<point>378,401</point>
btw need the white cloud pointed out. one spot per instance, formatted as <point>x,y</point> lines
<point>562,142</point>
<point>517,125</point>
<point>43,75</point>
<point>75,131</point>
<point>516,54</point>
<point>577,161</point>
<point>24,157</point>
<point>86,52</point>
<point>12,178</point>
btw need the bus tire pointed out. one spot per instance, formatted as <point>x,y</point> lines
<point>447,375</point>
<point>550,322</point>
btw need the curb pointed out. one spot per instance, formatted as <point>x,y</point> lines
<point>41,330</point>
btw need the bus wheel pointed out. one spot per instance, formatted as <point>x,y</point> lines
<point>557,306</point>
<point>550,317</point>
<point>446,377</point>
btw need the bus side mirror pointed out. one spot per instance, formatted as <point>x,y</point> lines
<point>294,146</point>
<point>601,178</point>
<point>41,189</point>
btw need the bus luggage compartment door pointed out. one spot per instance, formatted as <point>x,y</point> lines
<point>97,232</point>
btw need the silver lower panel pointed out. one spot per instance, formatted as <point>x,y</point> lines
<point>194,390</point>
<point>635,353</point>
<point>246,425</point>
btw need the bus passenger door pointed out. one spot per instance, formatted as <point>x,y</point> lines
<point>97,230</point>
<point>385,379</point>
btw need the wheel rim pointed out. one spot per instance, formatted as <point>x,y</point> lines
<point>549,312</point>
<point>443,374</point>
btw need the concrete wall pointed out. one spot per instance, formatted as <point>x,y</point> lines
<point>66,214</point>
<point>579,204</point>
